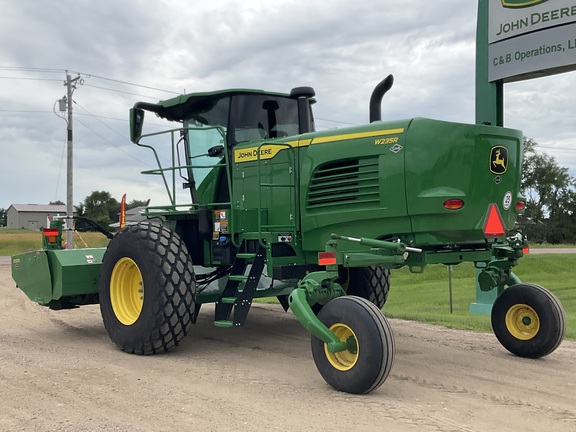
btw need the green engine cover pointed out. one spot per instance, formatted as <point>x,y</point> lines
<point>394,179</point>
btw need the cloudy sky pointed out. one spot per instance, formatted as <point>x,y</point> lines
<point>135,50</point>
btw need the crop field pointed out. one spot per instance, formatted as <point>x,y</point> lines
<point>17,240</point>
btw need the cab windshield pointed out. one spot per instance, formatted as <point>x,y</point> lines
<point>233,119</point>
<point>263,117</point>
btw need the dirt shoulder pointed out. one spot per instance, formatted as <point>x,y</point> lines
<point>60,372</point>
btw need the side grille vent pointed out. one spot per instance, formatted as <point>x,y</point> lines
<point>352,182</point>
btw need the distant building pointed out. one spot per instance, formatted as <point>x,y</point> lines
<point>33,216</point>
<point>133,216</point>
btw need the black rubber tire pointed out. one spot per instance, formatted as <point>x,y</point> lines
<point>376,347</point>
<point>531,303</point>
<point>168,285</point>
<point>371,283</point>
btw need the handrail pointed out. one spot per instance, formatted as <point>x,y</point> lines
<point>161,170</point>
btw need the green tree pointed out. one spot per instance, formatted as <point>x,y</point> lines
<point>136,203</point>
<point>3,216</point>
<point>549,192</point>
<point>101,207</point>
<point>57,202</point>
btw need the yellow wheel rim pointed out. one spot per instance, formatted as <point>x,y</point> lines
<point>342,360</point>
<point>522,322</point>
<point>126,291</point>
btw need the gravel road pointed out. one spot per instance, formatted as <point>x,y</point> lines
<point>60,372</point>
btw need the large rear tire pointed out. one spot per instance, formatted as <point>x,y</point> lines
<point>528,320</point>
<point>365,368</point>
<point>147,289</point>
<point>371,283</point>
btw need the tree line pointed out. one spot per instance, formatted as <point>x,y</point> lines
<point>102,208</point>
<point>99,206</point>
<point>550,214</point>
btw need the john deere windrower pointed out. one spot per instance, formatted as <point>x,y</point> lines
<point>315,219</point>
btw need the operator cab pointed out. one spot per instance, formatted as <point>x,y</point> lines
<point>215,122</point>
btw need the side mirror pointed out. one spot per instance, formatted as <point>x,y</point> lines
<point>215,151</point>
<point>136,124</point>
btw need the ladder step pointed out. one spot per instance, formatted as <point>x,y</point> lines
<point>223,323</point>
<point>246,255</point>
<point>228,300</point>
<point>238,278</point>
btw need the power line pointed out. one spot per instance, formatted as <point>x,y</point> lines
<point>109,142</point>
<point>25,111</point>
<point>30,79</point>
<point>132,84</point>
<point>31,69</point>
<point>336,121</point>
<point>46,70</point>
<point>120,91</point>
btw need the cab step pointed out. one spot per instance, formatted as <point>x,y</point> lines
<point>246,256</point>
<point>238,278</point>
<point>223,323</point>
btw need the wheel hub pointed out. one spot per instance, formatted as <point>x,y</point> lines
<point>343,360</point>
<point>126,291</point>
<point>522,322</point>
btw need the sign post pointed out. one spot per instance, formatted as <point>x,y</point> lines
<point>518,40</point>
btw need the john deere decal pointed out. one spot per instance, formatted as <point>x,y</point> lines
<point>498,160</point>
<point>521,3</point>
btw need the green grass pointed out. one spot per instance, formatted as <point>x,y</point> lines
<point>425,297</point>
<point>16,240</point>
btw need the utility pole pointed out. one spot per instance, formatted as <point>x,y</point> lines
<point>70,87</point>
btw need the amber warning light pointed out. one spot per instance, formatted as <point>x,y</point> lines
<point>494,225</point>
<point>453,204</point>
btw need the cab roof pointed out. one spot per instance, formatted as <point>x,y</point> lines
<point>178,108</point>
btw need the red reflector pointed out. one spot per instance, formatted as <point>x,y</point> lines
<point>520,205</point>
<point>453,204</point>
<point>326,258</point>
<point>49,232</point>
<point>494,225</point>
<point>526,250</point>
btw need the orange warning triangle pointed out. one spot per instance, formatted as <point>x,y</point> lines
<point>494,225</point>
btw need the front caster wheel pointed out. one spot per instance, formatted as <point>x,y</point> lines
<point>528,320</point>
<point>366,367</point>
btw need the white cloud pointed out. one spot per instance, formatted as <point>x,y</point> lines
<point>341,48</point>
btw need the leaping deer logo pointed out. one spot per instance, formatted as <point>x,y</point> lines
<point>521,3</point>
<point>498,160</point>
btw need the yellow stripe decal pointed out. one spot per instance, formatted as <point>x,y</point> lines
<point>268,151</point>
<point>345,137</point>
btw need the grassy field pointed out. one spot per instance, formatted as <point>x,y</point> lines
<point>425,297</point>
<point>421,297</point>
<point>16,240</point>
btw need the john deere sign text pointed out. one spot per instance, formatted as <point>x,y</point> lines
<point>531,38</point>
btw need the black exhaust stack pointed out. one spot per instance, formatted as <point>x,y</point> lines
<point>376,99</point>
